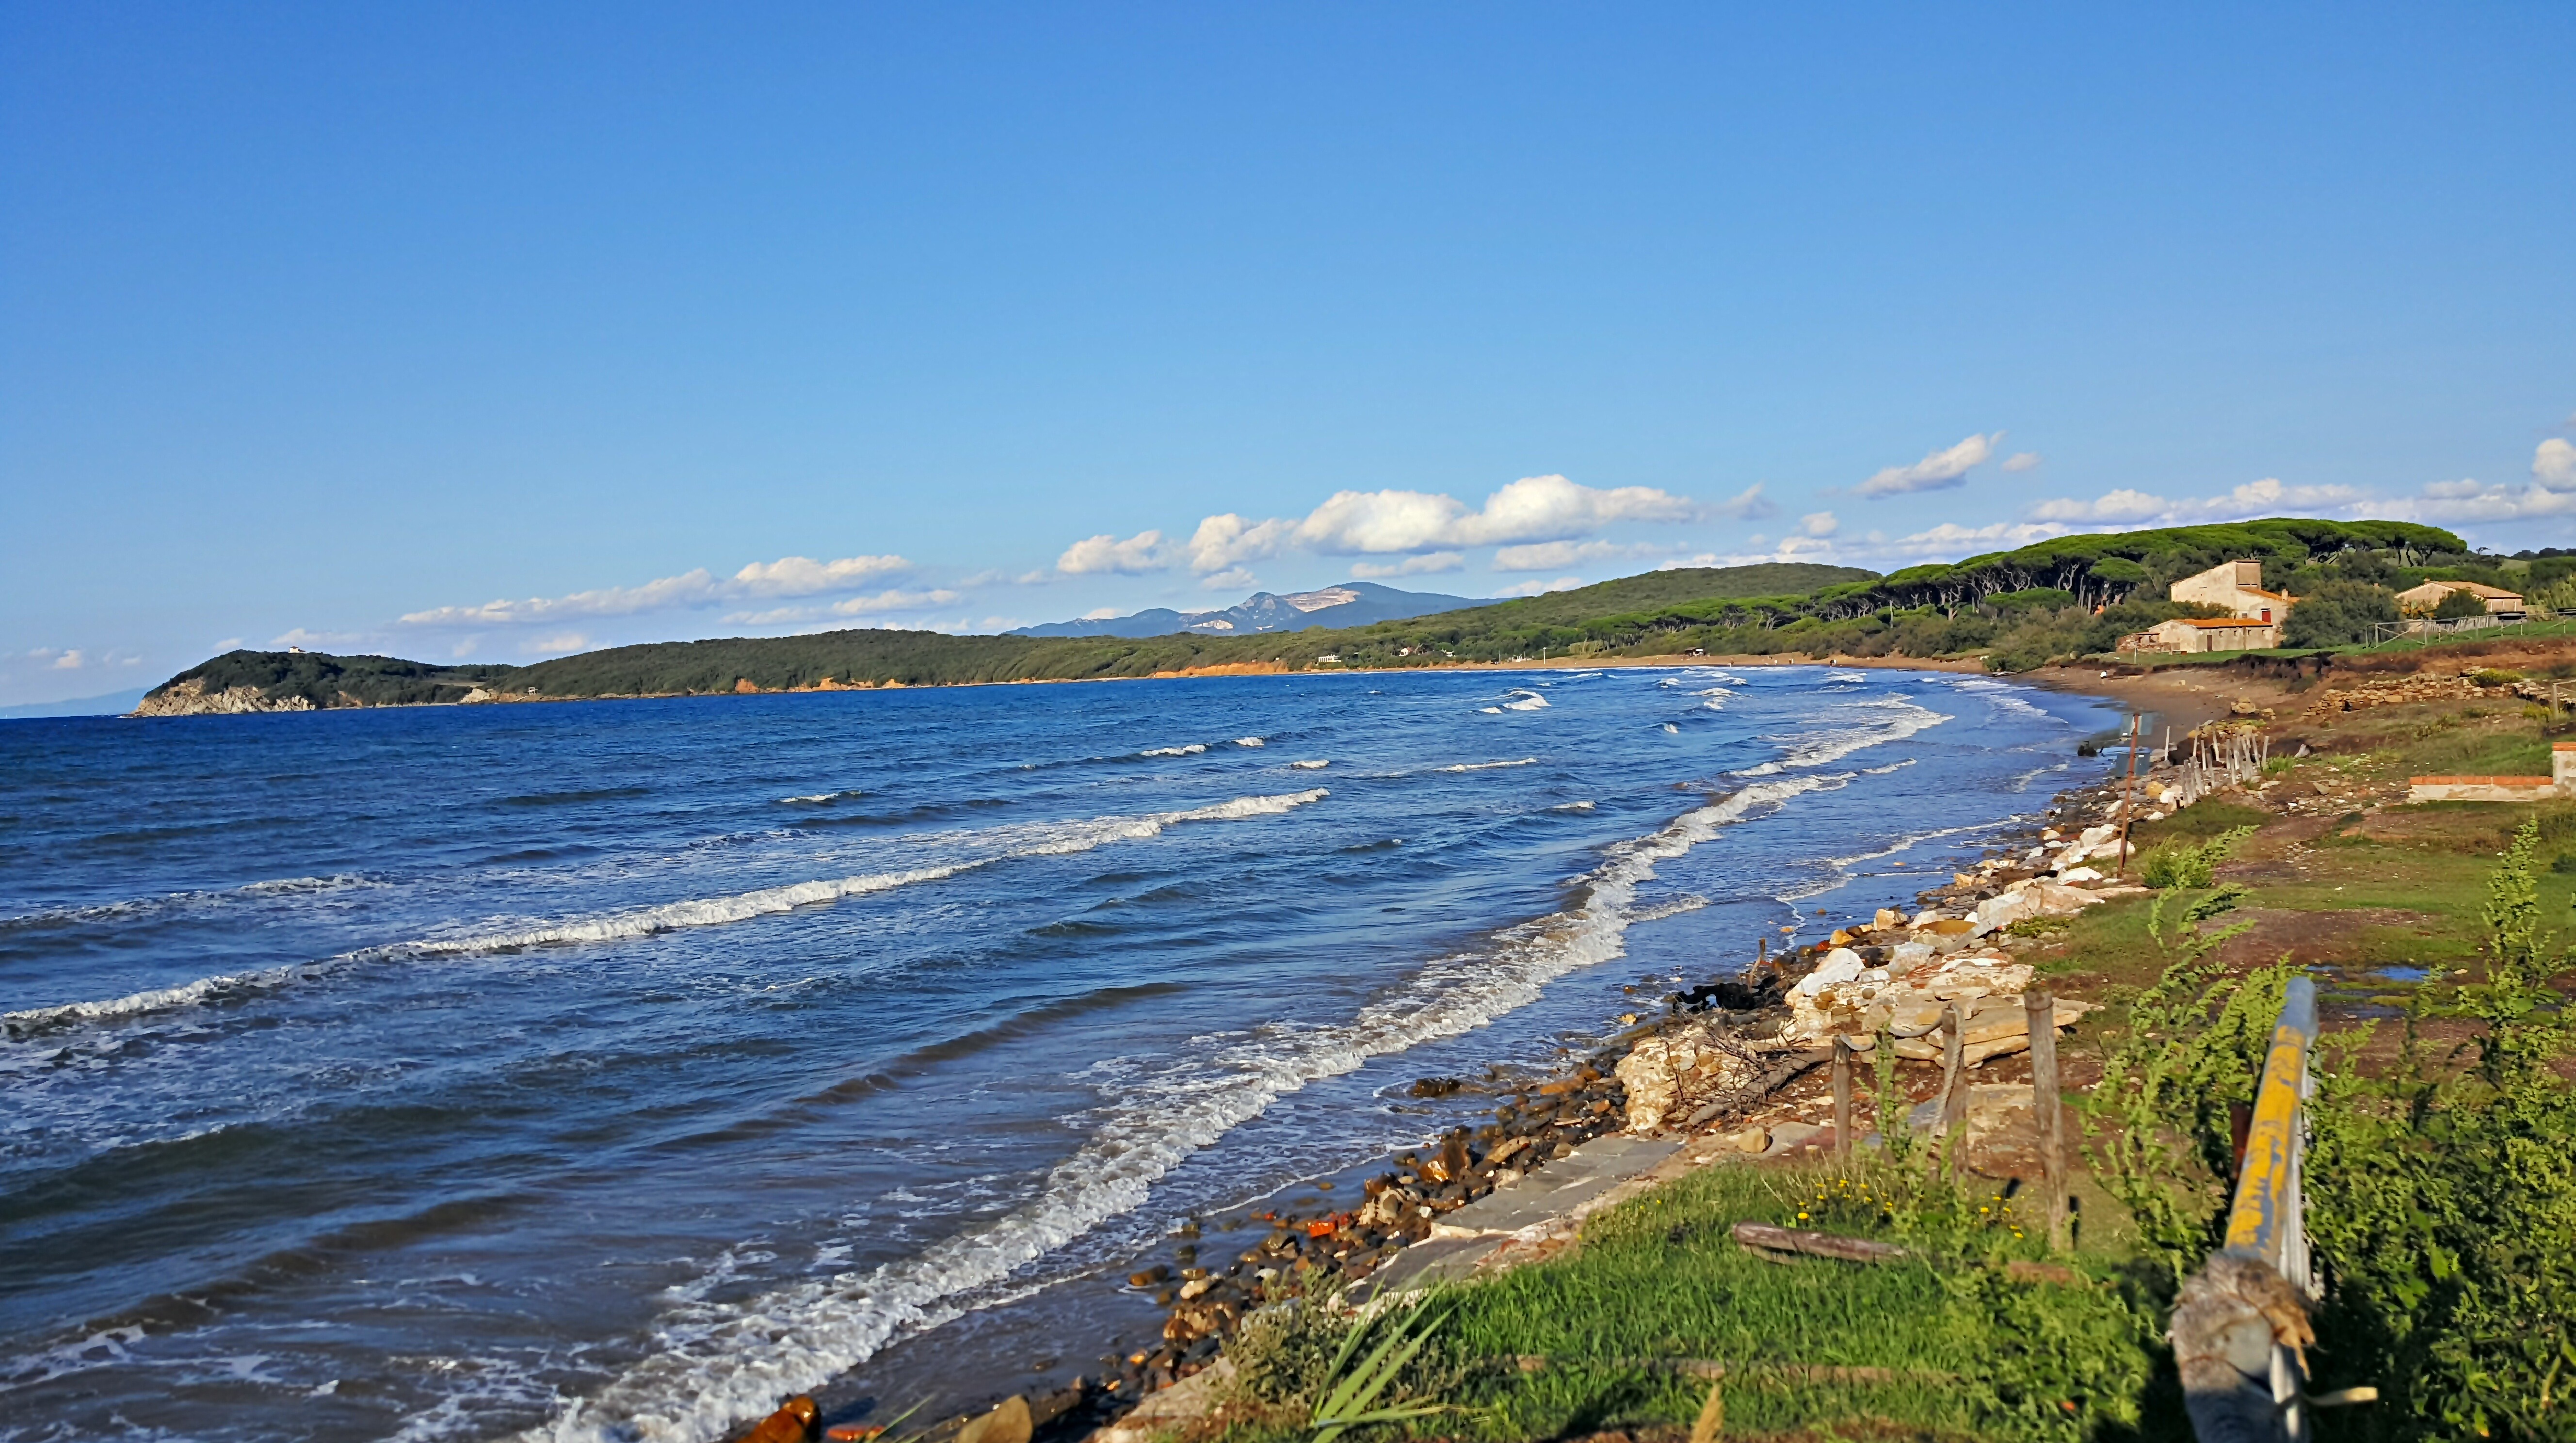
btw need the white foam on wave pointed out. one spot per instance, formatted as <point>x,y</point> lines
<point>1903,719</point>
<point>1250,742</point>
<point>1529,701</point>
<point>1572,807</point>
<point>137,906</point>
<point>724,1362</point>
<point>1489,766</point>
<point>1057,839</point>
<point>1318,764</point>
<point>1193,749</point>
<point>1837,870</point>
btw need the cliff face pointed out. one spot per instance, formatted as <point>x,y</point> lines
<point>191,698</point>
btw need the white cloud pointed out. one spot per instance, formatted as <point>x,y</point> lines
<point>1224,543</point>
<point>1096,555</point>
<point>2021,461</point>
<point>1101,613</point>
<point>1819,523</point>
<point>883,601</point>
<point>1953,540</point>
<point>1938,471</point>
<point>787,576</point>
<point>2553,466</point>
<point>1791,548</point>
<point>1746,505</point>
<point>804,576</point>
<point>1379,523</point>
<point>1541,588</point>
<point>2267,497</point>
<point>2473,501</point>
<point>1231,577</point>
<point>72,660</point>
<point>1558,555</point>
<point>560,642</point>
<point>1412,566</point>
<point>227,644</point>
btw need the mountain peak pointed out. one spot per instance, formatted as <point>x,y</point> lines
<point>1351,603</point>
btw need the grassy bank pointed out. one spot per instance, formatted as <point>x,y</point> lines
<point>2441,1190</point>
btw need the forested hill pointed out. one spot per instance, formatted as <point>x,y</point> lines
<point>2069,597</point>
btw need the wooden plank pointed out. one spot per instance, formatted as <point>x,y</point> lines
<point>1954,1089</point>
<point>1817,1245</point>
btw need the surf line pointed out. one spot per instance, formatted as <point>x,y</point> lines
<point>728,1361</point>
<point>641,921</point>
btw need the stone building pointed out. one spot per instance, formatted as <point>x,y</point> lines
<point>2420,600</point>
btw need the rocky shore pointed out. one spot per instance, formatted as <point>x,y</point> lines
<point>1727,1066</point>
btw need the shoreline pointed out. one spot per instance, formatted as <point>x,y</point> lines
<point>1582,1103</point>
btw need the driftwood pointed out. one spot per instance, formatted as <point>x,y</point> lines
<point>1820,1245</point>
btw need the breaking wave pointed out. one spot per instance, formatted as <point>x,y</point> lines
<point>1193,749</point>
<point>1040,841</point>
<point>1489,766</point>
<point>722,1362</point>
<point>1904,719</point>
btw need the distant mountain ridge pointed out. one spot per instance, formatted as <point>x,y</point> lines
<point>1352,603</point>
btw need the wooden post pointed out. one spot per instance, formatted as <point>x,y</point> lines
<point>1954,1092</point>
<point>2048,1110</point>
<point>2135,722</point>
<point>1842,1096</point>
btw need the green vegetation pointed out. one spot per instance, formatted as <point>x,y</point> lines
<point>1618,1333</point>
<point>2071,597</point>
<point>2457,604</point>
<point>328,681</point>
<point>2442,1191</point>
<point>2339,613</point>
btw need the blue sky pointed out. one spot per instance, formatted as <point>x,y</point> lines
<point>496,331</point>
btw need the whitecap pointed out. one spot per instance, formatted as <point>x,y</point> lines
<point>722,1362</point>
<point>1815,749</point>
<point>1042,840</point>
<point>1193,749</point>
<point>1249,742</point>
<point>1488,766</point>
<point>1318,764</point>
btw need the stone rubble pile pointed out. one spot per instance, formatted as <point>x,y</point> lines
<point>2399,690</point>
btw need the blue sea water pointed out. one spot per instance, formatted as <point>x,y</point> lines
<point>613,1069</point>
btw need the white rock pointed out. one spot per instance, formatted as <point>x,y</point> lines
<point>1908,954</point>
<point>1840,965</point>
<point>2095,835</point>
<point>2080,874</point>
<point>1926,917</point>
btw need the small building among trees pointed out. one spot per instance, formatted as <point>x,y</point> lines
<point>2448,599</point>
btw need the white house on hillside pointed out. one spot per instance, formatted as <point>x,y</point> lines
<point>2237,586</point>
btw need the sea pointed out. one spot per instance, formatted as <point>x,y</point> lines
<point>611,1070</point>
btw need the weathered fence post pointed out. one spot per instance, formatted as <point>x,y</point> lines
<point>1954,1093</point>
<point>2047,1109</point>
<point>2241,1324</point>
<point>1842,1096</point>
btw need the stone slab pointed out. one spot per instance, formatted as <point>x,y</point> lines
<point>1558,1188</point>
<point>1433,1260</point>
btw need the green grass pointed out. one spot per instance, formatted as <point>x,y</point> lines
<point>1965,1351</point>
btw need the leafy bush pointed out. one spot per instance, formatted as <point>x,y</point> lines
<point>2338,613</point>
<point>2494,676</point>
<point>2455,605</point>
<point>2180,866</point>
<point>2442,1193</point>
